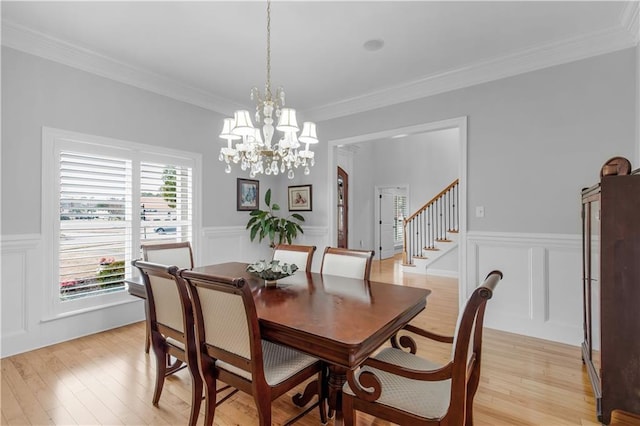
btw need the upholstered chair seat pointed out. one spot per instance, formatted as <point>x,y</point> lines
<point>425,399</point>
<point>280,363</point>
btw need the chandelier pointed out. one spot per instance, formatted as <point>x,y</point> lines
<point>253,146</point>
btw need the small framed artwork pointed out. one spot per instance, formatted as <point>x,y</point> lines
<point>300,198</point>
<point>248,194</point>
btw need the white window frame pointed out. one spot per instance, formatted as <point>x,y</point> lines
<point>53,142</point>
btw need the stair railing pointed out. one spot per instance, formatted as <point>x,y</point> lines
<point>431,223</point>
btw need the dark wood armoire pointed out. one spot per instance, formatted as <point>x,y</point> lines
<point>611,288</point>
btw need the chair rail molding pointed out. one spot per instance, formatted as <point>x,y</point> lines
<point>541,295</point>
<point>220,244</point>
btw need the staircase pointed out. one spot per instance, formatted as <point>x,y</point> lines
<point>432,231</point>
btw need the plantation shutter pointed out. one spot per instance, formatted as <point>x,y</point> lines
<point>166,202</point>
<point>95,224</point>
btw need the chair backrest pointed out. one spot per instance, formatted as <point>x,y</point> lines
<point>347,263</point>
<point>301,256</point>
<point>168,303</point>
<point>226,321</point>
<point>178,254</point>
<point>467,342</point>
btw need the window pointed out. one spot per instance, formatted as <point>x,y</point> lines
<point>165,202</point>
<point>95,220</point>
<point>102,198</point>
<point>400,209</point>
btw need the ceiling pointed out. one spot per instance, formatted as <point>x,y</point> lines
<point>212,53</point>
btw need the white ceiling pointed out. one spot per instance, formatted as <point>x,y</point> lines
<point>212,53</point>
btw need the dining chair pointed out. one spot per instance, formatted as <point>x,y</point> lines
<point>301,256</point>
<point>231,349</point>
<point>401,387</point>
<point>171,321</point>
<point>178,254</point>
<point>347,262</point>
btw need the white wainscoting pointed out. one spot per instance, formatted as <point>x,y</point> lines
<point>24,326</point>
<point>231,243</point>
<point>541,292</point>
<point>540,295</point>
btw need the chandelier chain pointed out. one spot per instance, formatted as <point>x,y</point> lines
<point>268,84</point>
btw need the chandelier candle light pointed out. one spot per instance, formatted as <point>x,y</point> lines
<point>253,149</point>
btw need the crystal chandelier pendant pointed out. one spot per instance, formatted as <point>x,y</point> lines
<point>255,149</point>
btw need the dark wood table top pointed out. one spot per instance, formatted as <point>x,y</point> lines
<point>341,320</point>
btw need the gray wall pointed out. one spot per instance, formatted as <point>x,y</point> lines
<point>534,140</point>
<point>37,92</point>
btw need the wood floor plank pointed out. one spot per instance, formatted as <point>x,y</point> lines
<point>11,409</point>
<point>106,378</point>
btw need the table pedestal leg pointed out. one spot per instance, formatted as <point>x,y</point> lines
<point>337,378</point>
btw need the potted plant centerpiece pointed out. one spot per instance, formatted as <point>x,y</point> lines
<point>266,224</point>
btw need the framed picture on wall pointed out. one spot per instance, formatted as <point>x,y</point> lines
<point>248,195</point>
<point>300,198</point>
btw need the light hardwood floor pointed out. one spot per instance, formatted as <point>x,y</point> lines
<point>107,378</point>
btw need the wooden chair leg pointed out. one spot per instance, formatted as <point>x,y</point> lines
<point>349,416</point>
<point>147,342</point>
<point>264,410</point>
<point>209,401</point>
<point>161,372</point>
<point>196,397</point>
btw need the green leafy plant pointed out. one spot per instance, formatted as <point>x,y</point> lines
<point>266,224</point>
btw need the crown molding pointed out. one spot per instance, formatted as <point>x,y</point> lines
<point>36,43</point>
<point>623,36</point>
<point>536,58</point>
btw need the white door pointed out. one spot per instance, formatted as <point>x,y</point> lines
<point>387,225</point>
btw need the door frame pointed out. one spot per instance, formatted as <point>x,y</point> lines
<point>461,124</point>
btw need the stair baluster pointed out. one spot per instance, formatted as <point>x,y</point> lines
<point>431,223</point>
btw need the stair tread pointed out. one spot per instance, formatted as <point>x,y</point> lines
<point>443,240</point>
<point>409,264</point>
<point>420,257</point>
<point>452,231</point>
<point>431,248</point>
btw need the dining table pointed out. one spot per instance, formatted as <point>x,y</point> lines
<point>337,319</point>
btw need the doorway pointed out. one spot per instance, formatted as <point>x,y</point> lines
<point>343,208</point>
<point>459,123</point>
